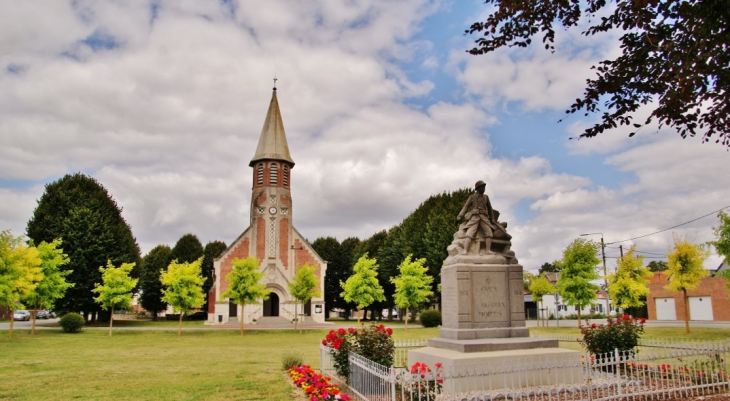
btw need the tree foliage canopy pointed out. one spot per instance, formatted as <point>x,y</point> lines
<point>117,287</point>
<point>20,270</point>
<point>686,265</point>
<point>53,284</point>
<point>674,56</point>
<point>628,286</point>
<point>305,284</point>
<point>413,284</point>
<point>577,273</point>
<point>211,251</point>
<point>657,266</point>
<point>340,258</point>
<point>80,211</point>
<point>152,266</point>
<point>183,286</point>
<point>541,286</point>
<point>362,287</point>
<point>244,282</point>
<point>188,249</point>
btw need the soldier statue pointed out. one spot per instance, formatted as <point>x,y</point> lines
<point>480,217</point>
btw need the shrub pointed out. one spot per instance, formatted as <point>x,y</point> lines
<point>372,342</point>
<point>72,322</point>
<point>290,359</point>
<point>430,318</point>
<point>622,334</point>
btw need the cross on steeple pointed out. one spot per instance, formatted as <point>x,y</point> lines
<point>275,81</point>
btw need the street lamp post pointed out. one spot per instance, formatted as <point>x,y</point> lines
<point>605,275</point>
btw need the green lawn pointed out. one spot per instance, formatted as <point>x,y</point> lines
<point>205,364</point>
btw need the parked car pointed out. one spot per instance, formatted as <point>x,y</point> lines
<point>51,314</point>
<point>21,315</point>
<point>41,314</point>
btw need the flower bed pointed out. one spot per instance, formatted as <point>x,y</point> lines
<point>315,386</point>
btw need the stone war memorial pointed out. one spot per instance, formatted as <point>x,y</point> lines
<point>482,294</point>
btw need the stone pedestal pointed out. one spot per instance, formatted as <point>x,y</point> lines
<point>483,330</point>
<point>510,369</point>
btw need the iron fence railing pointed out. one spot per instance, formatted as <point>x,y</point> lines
<point>661,369</point>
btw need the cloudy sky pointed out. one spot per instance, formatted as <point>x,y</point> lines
<point>163,103</point>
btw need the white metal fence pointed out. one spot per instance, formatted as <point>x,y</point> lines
<point>659,369</point>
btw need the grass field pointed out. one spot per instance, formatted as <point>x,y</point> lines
<point>156,365</point>
<point>204,364</point>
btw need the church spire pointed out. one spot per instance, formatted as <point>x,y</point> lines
<point>272,143</point>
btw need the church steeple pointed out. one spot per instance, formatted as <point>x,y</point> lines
<point>272,142</point>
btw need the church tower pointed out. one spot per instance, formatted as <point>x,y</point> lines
<point>270,237</point>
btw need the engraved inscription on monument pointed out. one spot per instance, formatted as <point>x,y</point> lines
<point>491,297</point>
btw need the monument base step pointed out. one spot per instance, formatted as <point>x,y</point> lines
<point>491,344</point>
<point>479,371</point>
<point>484,333</point>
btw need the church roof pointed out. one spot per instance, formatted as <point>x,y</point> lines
<point>272,143</point>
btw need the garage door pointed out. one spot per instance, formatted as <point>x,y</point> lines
<point>665,309</point>
<point>700,308</point>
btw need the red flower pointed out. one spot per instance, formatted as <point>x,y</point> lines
<point>341,331</point>
<point>626,317</point>
<point>351,330</point>
<point>389,331</point>
<point>643,320</point>
<point>437,365</point>
<point>593,326</point>
<point>324,342</point>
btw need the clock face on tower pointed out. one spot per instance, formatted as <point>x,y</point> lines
<point>272,210</point>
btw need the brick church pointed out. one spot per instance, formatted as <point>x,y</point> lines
<point>270,237</point>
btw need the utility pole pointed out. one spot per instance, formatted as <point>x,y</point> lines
<point>621,249</point>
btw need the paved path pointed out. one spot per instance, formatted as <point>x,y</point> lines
<point>52,324</point>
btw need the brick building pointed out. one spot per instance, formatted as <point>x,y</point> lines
<point>708,302</point>
<point>270,237</point>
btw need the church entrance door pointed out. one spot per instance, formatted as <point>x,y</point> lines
<point>308,308</point>
<point>271,305</point>
<point>232,309</point>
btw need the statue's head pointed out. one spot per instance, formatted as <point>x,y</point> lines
<point>479,186</point>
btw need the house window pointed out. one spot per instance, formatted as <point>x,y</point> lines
<point>286,176</point>
<point>260,174</point>
<point>273,173</point>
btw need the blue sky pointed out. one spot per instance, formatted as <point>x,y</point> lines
<point>163,103</point>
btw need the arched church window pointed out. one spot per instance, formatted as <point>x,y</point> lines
<point>260,174</point>
<point>273,173</point>
<point>286,176</point>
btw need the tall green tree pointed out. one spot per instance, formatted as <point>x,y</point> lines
<point>577,273</point>
<point>244,284</point>
<point>379,245</point>
<point>53,284</point>
<point>722,233</point>
<point>152,266</point>
<point>686,270</point>
<point>188,249</point>
<point>389,257</point>
<point>674,58</point>
<point>183,287</point>
<point>303,287</point>
<point>362,287</point>
<point>79,210</point>
<point>412,285</point>
<point>541,286</point>
<point>116,290</point>
<point>628,287</point>
<point>212,250</point>
<point>20,272</point>
<point>657,266</point>
<point>548,268</point>
<point>339,267</point>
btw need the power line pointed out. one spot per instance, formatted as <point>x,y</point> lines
<point>670,228</point>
